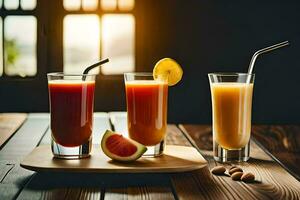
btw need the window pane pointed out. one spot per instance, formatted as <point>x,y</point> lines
<point>11,4</point>
<point>1,50</point>
<point>72,4</point>
<point>28,4</point>
<point>109,4</point>
<point>118,43</point>
<point>81,42</point>
<point>126,4</point>
<point>90,4</point>
<point>20,48</point>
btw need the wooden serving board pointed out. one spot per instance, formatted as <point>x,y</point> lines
<point>174,159</point>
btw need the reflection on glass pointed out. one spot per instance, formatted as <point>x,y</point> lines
<point>1,50</point>
<point>28,4</point>
<point>11,4</point>
<point>89,4</point>
<point>109,4</point>
<point>71,4</point>
<point>81,42</point>
<point>126,4</point>
<point>20,48</point>
<point>118,43</point>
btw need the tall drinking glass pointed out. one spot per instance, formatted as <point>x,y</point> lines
<point>71,112</point>
<point>231,95</point>
<point>147,110</point>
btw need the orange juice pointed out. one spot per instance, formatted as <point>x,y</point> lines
<point>147,110</point>
<point>231,103</point>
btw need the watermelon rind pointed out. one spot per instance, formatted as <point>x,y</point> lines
<point>141,149</point>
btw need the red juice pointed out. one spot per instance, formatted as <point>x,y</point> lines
<point>71,107</point>
<point>147,111</point>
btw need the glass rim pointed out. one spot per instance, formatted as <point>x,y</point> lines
<point>143,74</point>
<point>229,74</point>
<point>139,73</point>
<point>60,74</point>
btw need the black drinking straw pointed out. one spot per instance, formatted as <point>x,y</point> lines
<point>86,71</point>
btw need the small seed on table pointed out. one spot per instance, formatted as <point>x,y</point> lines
<point>236,176</point>
<point>235,169</point>
<point>248,177</point>
<point>218,170</point>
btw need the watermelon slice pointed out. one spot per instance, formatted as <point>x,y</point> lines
<point>120,148</point>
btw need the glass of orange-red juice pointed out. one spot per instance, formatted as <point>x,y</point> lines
<point>71,98</point>
<point>147,110</point>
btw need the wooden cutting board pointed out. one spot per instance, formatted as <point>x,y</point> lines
<point>175,159</point>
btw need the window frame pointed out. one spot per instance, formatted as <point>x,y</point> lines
<point>100,12</point>
<point>39,13</point>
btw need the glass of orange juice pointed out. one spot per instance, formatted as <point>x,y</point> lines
<point>231,95</point>
<point>147,110</point>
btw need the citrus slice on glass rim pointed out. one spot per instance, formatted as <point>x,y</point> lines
<point>170,68</point>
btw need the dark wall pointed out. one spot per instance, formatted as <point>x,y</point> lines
<point>203,36</point>
<point>210,36</point>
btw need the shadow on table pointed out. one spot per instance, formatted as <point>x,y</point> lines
<point>66,180</point>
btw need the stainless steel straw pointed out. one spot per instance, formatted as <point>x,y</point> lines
<point>262,51</point>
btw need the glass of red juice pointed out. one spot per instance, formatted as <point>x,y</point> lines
<point>147,101</point>
<point>71,99</point>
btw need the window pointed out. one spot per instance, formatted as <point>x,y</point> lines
<point>93,30</point>
<point>18,50</point>
<point>81,41</point>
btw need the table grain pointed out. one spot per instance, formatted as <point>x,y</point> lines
<point>273,181</point>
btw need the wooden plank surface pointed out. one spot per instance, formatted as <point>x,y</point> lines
<point>24,141</point>
<point>9,123</point>
<point>65,185</point>
<point>283,142</point>
<point>157,187</point>
<point>272,181</point>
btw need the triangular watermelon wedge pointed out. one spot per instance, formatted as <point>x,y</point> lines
<point>120,148</point>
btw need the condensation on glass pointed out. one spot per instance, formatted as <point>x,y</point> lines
<point>20,48</point>
<point>81,42</point>
<point>116,44</point>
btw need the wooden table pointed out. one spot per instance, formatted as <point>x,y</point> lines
<point>24,132</point>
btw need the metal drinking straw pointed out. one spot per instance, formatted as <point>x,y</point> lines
<point>262,51</point>
<point>86,71</point>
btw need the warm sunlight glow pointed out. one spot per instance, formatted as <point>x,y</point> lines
<point>126,4</point>
<point>109,4</point>
<point>81,42</point>
<point>72,4</point>
<point>118,43</point>
<point>90,4</point>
